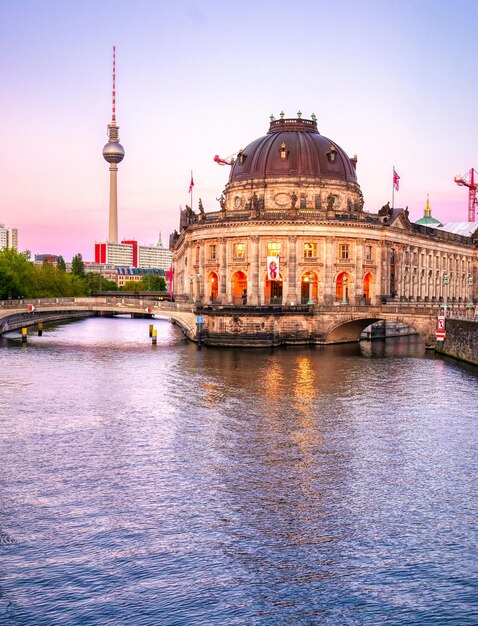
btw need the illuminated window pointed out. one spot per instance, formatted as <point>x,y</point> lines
<point>310,250</point>
<point>344,250</point>
<point>239,250</point>
<point>212,252</point>
<point>273,248</point>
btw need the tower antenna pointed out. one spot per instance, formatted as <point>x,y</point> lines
<point>113,111</point>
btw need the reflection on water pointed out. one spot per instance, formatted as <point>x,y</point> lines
<point>164,484</point>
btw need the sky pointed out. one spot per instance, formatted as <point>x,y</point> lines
<point>393,82</point>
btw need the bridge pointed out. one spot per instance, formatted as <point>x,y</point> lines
<point>16,314</point>
<point>240,325</point>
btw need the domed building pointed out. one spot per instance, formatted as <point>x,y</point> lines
<point>291,230</point>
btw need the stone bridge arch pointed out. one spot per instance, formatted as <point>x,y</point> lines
<point>349,330</point>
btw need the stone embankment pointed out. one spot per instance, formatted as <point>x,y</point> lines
<point>461,340</point>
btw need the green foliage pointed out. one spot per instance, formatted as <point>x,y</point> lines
<point>152,283</point>
<point>77,266</point>
<point>60,264</point>
<point>132,285</point>
<point>96,282</point>
<point>53,282</point>
<point>19,277</point>
<point>16,274</point>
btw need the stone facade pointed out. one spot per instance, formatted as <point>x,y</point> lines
<point>461,340</point>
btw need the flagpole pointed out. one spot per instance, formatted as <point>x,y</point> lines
<point>393,186</point>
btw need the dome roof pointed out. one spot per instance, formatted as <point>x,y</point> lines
<point>293,147</point>
<point>428,219</point>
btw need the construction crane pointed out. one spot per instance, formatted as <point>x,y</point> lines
<point>227,161</point>
<point>468,180</point>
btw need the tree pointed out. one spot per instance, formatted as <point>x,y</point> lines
<point>152,283</point>
<point>132,285</point>
<point>96,282</point>
<point>16,274</point>
<point>77,266</point>
<point>60,264</point>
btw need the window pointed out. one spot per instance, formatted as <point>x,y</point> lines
<point>344,250</point>
<point>239,250</point>
<point>310,250</point>
<point>273,248</point>
<point>368,253</point>
<point>212,252</point>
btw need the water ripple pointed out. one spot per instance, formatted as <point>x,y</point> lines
<point>170,485</point>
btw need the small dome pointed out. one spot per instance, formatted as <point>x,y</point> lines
<point>113,152</point>
<point>293,147</point>
<point>428,219</point>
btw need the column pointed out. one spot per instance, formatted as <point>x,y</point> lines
<point>377,256</point>
<point>253,296</point>
<point>223,287</point>
<point>359,249</point>
<point>329,285</point>
<point>291,297</point>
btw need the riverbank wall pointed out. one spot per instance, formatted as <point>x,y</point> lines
<point>461,340</point>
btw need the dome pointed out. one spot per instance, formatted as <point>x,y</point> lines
<point>293,147</point>
<point>113,152</point>
<point>428,219</point>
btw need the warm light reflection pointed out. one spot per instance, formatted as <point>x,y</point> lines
<point>273,381</point>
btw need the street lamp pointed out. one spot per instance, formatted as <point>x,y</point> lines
<point>470,283</point>
<point>446,280</point>
<point>198,277</point>
<point>310,279</point>
<point>212,289</point>
<point>344,289</point>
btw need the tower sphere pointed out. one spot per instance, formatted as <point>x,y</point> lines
<point>113,152</point>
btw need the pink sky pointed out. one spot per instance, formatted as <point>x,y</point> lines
<point>388,81</point>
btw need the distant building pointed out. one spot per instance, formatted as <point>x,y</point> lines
<point>108,253</point>
<point>8,238</point>
<point>49,258</point>
<point>127,274</point>
<point>123,274</point>
<point>129,254</point>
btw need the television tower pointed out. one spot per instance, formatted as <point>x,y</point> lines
<point>113,152</point>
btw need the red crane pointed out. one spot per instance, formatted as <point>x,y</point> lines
<point>227,161</point>
<point>468,180</point>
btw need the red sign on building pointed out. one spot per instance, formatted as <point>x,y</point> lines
<point>440,332</point>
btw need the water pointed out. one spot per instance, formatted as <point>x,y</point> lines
<point>175,486</point>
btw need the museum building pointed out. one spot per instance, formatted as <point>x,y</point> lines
<point>291,229</point>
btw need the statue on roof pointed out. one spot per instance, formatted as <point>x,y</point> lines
<point>222,202</point>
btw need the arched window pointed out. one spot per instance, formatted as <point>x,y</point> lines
<point>367,287</point>
<point>342,285</point>
<point>213,283</point>
<point>238,284</point>
<point>309,288</point>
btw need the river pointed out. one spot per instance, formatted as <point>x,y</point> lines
<point>173,485</point>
